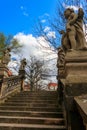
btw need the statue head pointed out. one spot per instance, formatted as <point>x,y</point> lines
<point>68,12</point>
<point>9,49</point>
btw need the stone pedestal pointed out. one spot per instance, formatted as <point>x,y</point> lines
<point>3,74</point>
<point>75,84</point>
<point>75,73</point>
<point>76,67</point>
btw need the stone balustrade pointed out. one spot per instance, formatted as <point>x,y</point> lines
<point>81,103</point>
<point>10,85</point>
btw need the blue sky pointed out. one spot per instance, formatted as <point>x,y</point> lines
<point>20,15</point>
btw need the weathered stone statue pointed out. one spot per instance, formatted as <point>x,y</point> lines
<point>72,71</point>
<point>22,72</point>
<point>74,37</point>
<point>23,64</point>
<point>6,57</point>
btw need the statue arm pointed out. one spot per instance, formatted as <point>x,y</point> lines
<point>73,19</point>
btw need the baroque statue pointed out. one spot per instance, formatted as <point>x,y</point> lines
<point>73,38</point>
<point>23,64</point>
<point>6,57</point>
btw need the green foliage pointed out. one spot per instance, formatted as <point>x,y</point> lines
<point>8,41</point>
<point>2,44</point>
<point>2,41</point>
<point>15,46</point>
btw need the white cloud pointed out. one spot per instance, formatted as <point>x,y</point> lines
<point>22,7</point>
<point>51,34</point>
<point>24,11</point>
<point>46,14</point>
<point>29,44</point>
<point>47,29</point>
<point>25,14</point>
<point>38,47</point>
<point>71,6</point>
<point>43,21</point>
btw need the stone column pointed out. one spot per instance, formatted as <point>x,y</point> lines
<point>75,84</point>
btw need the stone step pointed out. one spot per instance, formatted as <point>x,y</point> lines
<point>24,108</point>
<point>32,120</point>
<point>28,99</point>
<point>38,93</point>
<point>35,97</point>
<point>15,126</point>
<point>33,100</point>
<point>31,113</point>
<point>30,104</point>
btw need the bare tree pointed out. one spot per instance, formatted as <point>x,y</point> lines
<point>34,71</point>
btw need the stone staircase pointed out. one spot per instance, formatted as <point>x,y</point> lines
<point>32,111</point>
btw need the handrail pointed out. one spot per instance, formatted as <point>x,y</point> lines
<point>81,103</point>
<point>10,85</point>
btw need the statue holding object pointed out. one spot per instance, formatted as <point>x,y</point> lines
<point>73,38</point>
